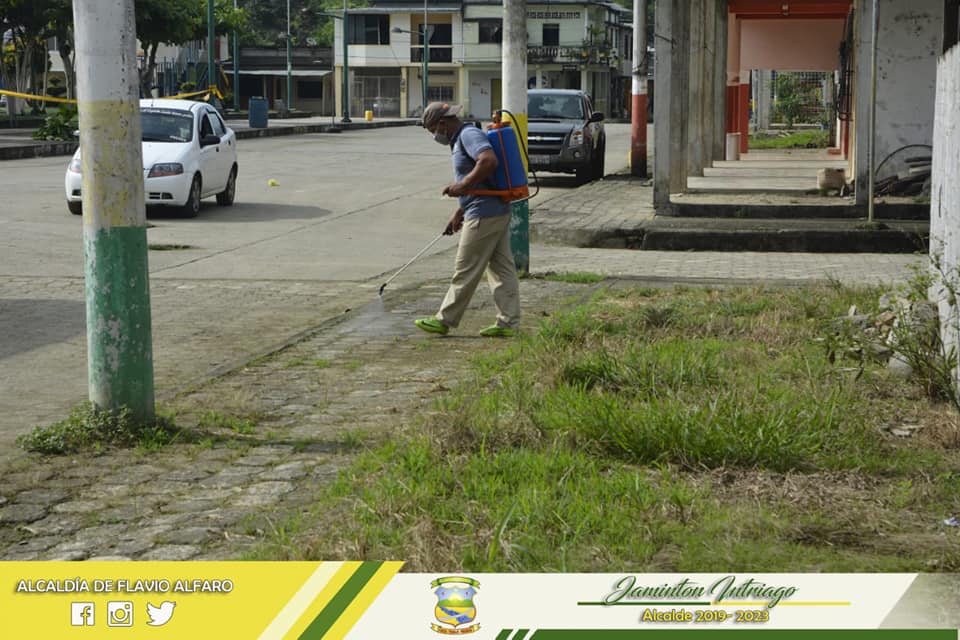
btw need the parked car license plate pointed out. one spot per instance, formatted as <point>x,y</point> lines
<point>539,159</point>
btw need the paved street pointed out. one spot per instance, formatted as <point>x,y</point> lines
<point>349,207</point>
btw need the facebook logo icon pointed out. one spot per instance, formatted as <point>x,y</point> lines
<point>81,614</point>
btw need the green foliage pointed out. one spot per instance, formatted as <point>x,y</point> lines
<point>792,97</point>
<point>792,140</point>
<point>89,428</point>
<point>216,420</point>
<point>575,277</point>
<point>668,430</point>
<point>267,20</point>
<point>59,124</point>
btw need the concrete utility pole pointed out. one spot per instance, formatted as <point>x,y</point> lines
<point>236,66</point>
<point>289,63</point>
<point>426,56</point>
<point>638,109</point>
<point>211,35</point>
<point>119,344</point>
<point>345,81</point>
<point>514,71</point>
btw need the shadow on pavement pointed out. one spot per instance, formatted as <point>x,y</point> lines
<point>240,212</point>
<point>30,324</point>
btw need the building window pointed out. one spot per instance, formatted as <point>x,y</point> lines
<point>310,89</point>
<point>440,94</point>
<point>372,29</point>
<point>551,35</point>
<point>491,31</point>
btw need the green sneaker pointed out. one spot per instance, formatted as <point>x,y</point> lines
<point>432,325</point>
<point>496,331</point>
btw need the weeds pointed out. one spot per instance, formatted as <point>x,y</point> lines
<point>89,428</point>
<point>675,431</point>
<point>216,420</point>
<point>575,277</point>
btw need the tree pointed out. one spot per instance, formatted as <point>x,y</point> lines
<point>28,23</point>
<point>61,16</point>
<point>176,22</point>
<point>309,19</point>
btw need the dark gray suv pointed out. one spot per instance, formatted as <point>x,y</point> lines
<point>565,133</point>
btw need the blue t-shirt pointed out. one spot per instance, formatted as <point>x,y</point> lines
<point>469,143</point>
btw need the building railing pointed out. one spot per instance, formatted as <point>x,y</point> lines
<point>585,54</point>
<point>438,53</point>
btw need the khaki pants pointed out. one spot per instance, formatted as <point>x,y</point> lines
<point>484,246</point>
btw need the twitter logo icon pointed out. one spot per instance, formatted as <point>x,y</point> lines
<point>161,615</point>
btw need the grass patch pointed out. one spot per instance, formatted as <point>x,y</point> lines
<point>574,277</point>
<point>812,139</point>
<point>661,430</point>
<point>90,429</point>
<point>215,420</point>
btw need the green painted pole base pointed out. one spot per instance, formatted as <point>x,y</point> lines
<point>119,335</point>
<point>520,236</point>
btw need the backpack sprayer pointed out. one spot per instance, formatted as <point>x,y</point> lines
<point>510,177</point>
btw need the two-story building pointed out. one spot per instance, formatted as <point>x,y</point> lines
<point>573,44</point>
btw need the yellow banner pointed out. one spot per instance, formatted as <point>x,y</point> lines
<point>183,601</point>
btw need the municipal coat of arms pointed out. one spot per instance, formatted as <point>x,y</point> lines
<point>455,606</point>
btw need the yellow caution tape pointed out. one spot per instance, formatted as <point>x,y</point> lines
<point>206,92</point>
<point>28,96</point>
<point>212,89</point>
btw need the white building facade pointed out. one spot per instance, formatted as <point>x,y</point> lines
<point>572,45</point>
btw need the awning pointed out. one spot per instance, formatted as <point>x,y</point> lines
<point>303,73</point>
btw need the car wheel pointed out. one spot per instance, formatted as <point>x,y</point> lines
<point>76,208</point>
<point>598,163</point>
<point>225,197</point>
<point>192,208</point>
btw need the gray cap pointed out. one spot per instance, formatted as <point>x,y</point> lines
<point>436,111</point>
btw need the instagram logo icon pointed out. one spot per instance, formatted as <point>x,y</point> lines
<point>120,614</point>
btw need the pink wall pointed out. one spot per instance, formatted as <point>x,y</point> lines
<point>791,45</point>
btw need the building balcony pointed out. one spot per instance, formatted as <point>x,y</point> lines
<point>587,54</point>
<point>438,53</point>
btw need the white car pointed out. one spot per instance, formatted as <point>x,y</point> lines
<point>188,154</point>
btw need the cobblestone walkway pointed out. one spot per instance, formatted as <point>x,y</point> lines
<point>314,404</point>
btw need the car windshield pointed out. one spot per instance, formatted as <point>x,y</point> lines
<point>558,106</point>
<point>166,125</point>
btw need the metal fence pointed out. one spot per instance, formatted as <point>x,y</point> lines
<point>380,94</point>
<point>791,98</point>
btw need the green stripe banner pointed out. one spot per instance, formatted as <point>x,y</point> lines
<point>741,634</point>
<point>332,612</point>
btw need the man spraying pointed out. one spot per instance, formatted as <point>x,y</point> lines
<point>485,224</point>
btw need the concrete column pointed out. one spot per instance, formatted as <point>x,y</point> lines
<point>513,69</point>
<point>744,104</point>
<point>119,340</point>
<point>404,91</point>
<point>670,102</point>
<point>707,67</point>
<point>463,87</point>
<point>638,104</point>
<point>864,44</point>
<point>733,74</point>
<point>696,61</point>
<point>720,81</point>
